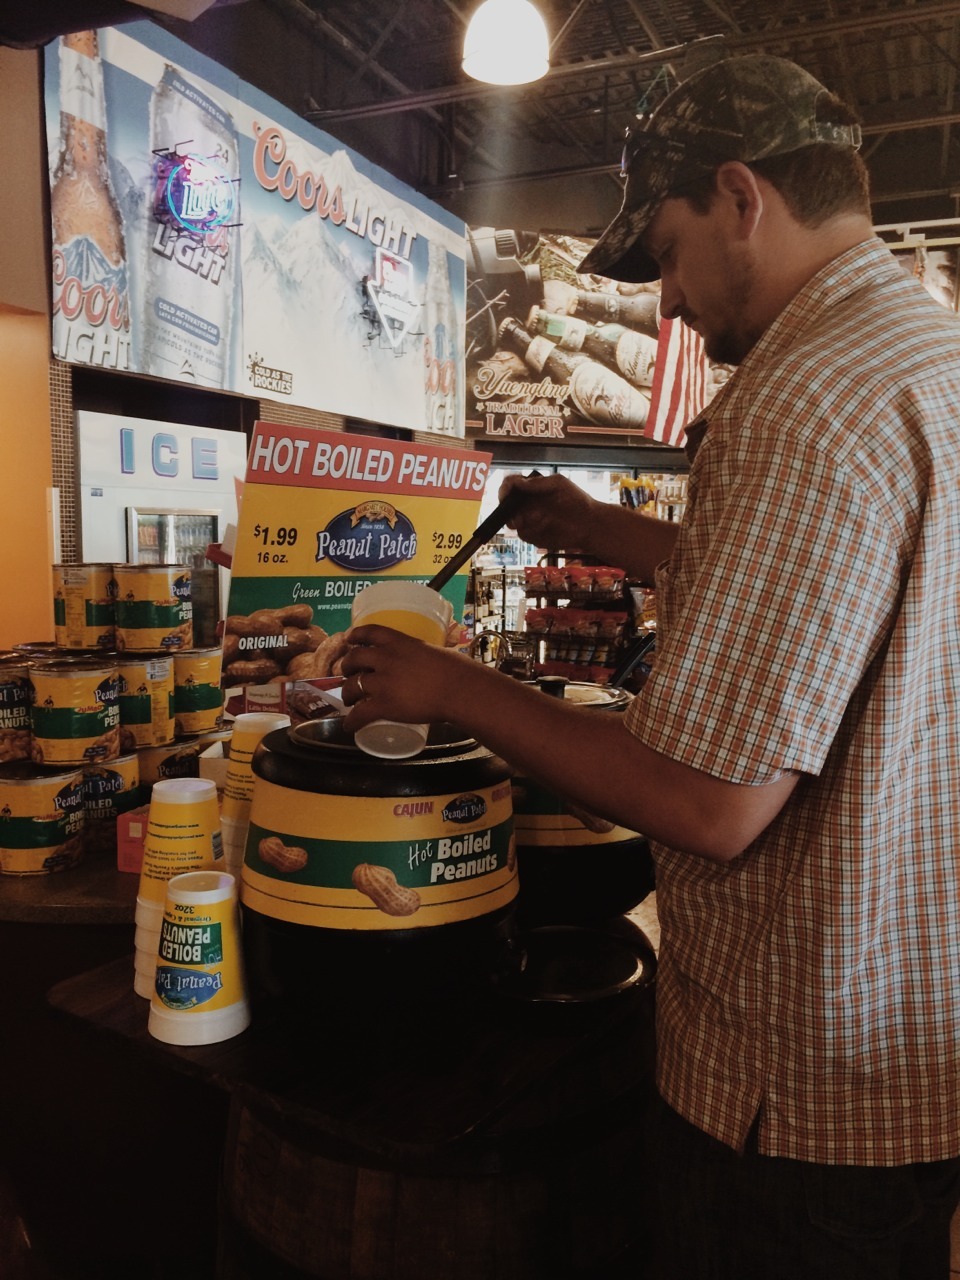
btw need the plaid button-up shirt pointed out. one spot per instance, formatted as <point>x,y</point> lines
<point>808,621</point>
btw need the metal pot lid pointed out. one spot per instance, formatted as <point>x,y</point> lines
<point>329,734</point>
<point>584,694</point>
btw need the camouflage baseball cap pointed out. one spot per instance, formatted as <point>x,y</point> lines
<point>740,109</point>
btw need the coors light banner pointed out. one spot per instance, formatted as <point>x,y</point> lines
<point>204,234</point>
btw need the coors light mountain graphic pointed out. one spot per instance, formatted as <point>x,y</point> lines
<point>303,305</point>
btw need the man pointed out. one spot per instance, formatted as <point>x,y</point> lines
<point>795,754</point>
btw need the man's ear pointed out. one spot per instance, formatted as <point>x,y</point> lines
<point>737,183</point>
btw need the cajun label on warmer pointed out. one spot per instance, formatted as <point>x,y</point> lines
<point>380,862</point>
<point>325,514</point>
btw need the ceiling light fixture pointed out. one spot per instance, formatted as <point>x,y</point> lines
<point>506,43</point>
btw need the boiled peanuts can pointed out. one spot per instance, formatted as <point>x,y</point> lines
<point>197,695</point>
<point>154,607</point>
<point>41,819</point>
<point>109,789</point>
<point>146,700</point>
<point>85,606</point>
<point>75,713</point>
<point>15,696</point>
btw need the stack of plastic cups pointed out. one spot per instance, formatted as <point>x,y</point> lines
<point>248,729</point>
<point>199,994</point>
<point>183,834</point>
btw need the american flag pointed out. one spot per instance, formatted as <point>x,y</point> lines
<point>679,383</point>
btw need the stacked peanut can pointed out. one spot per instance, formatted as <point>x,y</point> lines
<point>88,724</point>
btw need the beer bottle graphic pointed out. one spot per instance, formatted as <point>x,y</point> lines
<point>189,316</point>
<point>90,303</point>
<point>631,353</point>
<point>639,310</point>
<point>601,395</point>
<point>442,385</point>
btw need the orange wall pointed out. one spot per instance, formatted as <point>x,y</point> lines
<point>26,539</point>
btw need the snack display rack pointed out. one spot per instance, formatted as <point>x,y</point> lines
<point>577,617</point>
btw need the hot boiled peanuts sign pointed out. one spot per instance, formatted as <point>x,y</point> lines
<point>323,515</point>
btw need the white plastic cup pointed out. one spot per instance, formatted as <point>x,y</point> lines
<point>248,729</point>
<point>199,993</point>
<point>183,834</point>
<point>146,943</point>
<point>416,610</point>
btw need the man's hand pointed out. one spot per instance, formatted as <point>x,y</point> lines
<point>555,513</point>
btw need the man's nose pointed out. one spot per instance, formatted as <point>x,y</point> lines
<point>671,299</point>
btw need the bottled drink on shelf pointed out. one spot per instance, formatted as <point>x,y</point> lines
<point>91,308</point>
<point>632,353</point>
<point>639,310</point>
<point>601,395</point>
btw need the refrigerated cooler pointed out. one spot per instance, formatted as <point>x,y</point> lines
<point>156,535</point>
<point>155,492</point>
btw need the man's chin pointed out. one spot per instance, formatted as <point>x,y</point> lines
<point>724,348</point>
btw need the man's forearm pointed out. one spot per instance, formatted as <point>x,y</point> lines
<point>629,540</point>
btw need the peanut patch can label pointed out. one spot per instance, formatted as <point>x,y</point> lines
<point>108,791</point>
<point>154,607</point>
<point>381,862</point>
<point>16,692</point>
<point>41,820</point>
<point>75,716</point>
<point>197,696</point>
<point>85,606</point>
<point>178,760</point>
<point>146,701</point>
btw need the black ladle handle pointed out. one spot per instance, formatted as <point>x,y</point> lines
<point>484,531</point>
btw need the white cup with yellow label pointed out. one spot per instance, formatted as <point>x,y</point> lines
<point>416,610</point>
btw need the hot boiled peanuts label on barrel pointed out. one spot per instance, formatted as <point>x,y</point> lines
<point>381,862</point>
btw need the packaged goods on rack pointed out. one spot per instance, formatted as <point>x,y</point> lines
<point>664,496</point>
<point>575,642</point>
<point>578,583</point>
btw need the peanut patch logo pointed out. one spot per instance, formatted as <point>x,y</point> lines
<point>368,538</point>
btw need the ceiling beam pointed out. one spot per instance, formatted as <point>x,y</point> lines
<point>786,33</point>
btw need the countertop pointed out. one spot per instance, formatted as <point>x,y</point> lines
<point>93,892</point>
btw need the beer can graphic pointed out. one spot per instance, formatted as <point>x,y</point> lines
<point>191,256</point>
<point>41,819</point>
<point>154,607</point>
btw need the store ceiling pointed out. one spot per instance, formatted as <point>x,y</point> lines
<point>384,77</point>
<point>897,63</point>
